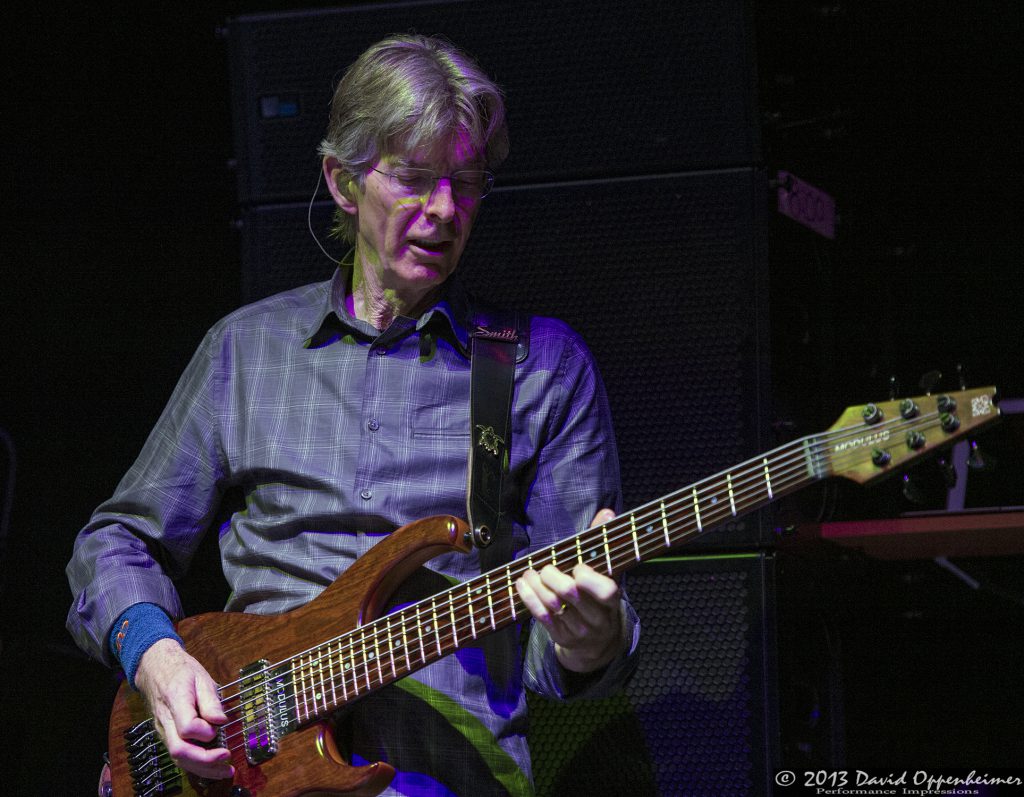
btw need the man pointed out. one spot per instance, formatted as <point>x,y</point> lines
<point>341,411</point>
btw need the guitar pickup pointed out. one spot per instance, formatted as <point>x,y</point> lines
<point>266,702</point>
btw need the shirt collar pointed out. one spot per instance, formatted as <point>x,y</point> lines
<point>450,317</point>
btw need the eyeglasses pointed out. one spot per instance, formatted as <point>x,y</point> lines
<point>468,183</point>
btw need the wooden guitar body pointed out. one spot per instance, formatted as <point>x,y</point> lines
<point>226,642</point>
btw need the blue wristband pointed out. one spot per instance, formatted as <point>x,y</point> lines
<point>135,631</point>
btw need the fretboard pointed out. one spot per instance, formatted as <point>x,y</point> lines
<point>361,661</point>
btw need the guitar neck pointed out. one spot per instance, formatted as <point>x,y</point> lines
<point>345,668</point>
<point>867,443</point>
<point>271,700</point>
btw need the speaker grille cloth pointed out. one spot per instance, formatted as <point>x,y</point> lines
<point>693,720</point>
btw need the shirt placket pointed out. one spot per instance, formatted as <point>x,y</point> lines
<point>382,393</point>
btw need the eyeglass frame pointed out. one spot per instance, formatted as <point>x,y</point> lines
<point>396,181</point>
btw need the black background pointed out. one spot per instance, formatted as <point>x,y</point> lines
<point>119,252</point>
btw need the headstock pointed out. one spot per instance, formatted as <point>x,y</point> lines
<point>871,440</point>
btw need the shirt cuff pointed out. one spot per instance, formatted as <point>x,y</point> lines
<point>135,631</point>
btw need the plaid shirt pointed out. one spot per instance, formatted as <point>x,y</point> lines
<point>338,434</point>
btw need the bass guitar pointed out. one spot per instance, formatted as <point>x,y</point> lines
<point>283,676</point>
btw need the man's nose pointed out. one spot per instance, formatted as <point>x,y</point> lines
<point>441,201</point>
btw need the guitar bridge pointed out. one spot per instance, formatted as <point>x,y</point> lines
<point>152,770</point>
<point>265,697</point>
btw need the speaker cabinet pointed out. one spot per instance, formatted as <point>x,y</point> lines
<point>698,717</point>
<point>593,89</point>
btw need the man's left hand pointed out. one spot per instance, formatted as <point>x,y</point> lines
<point>583,612</point>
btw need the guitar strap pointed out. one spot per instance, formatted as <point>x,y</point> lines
<point>499,341</point>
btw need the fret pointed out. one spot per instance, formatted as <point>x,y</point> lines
<point>366,659</point>
<point>490,601</point>
<point>295,691</point>
<point>419,631</point>
<point>511,596</point>
<point>343,665</point>
<point>664,524</point>
<point>296,687</point>
<point>405,643</point>
<point>696,510</point>
<point>554,556</point>
<point>472,611</point>
<point>437,624</point>
<point>579,550</point>
<point>376,652</point>
<point>310,687</point>
<point>330,671</point>
<point>636,542</point>
<point>319,694</point>
<point>767,477</point>
<point>304,692</point>
<point>451,614</point>
<point>732,496</point>
<point>391,650</point>
<point>607,550</point>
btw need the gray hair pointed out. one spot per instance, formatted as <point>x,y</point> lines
<point>404,92</point>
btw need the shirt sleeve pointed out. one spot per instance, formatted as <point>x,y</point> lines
<point>147,532</point>
<point>576,474</point>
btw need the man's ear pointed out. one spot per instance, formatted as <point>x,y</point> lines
<point>343,189</point>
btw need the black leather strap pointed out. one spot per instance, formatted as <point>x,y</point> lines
<point>498,342</point>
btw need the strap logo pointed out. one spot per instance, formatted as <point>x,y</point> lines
<point>489,440</point>
<point>504,335</point>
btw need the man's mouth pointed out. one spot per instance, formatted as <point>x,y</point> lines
<point>430,246</point>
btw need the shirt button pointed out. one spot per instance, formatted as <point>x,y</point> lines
<point>373,425</point>
<point>366,495</point>
<point>380,351</point>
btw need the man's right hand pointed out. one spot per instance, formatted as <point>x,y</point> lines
<point>183,698</point>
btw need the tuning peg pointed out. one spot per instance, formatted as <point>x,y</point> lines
<point>929,381</point>
<point>894,388</point>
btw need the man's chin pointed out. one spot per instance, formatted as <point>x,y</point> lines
<point>430,271</point>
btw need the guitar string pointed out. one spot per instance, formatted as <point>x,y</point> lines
<point>370,638</point>
<point>755,463</point>
<point>517,607</point>
<point>672,508</point>
<point>453,600</point>
<point>809,446</point>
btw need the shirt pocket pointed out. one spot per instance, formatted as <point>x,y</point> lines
<point>441,421</point>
